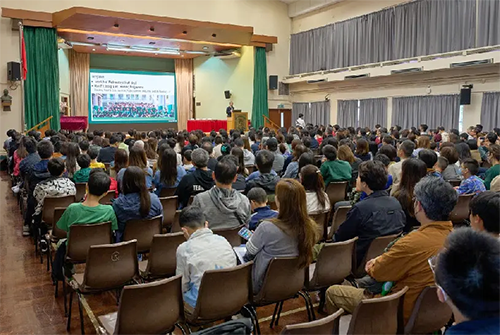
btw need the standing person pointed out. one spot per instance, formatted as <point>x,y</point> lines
<point>405,151</point>
<point>494,170</point>
<point>170,173</point>
<point>300,121</point>
<point>230,109</point>
<point>317,199</point>
<point>471,184</point>
<point>333,169</point>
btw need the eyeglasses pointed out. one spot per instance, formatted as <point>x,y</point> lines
<point>433,264</point>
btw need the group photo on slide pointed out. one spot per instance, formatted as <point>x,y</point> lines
<point>125,109</point>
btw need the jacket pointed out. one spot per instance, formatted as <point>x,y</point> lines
<point>224,208</point>
<point>82,175</point>
<point>27,164</point>
<point>107,155</point>
<point>126,207</point>
<point>52,187</point>
<point>279,161</point>
<point>267,181</point>
<point>193,183</point>
<point>476,327</point>
<point>248,157</point>
<point>376,215</point>
<point>240,183</point>
<point>260,214</point>
<point>336,170</point>
<point>39,173</point>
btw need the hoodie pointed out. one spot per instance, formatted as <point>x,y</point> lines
<point>267,181</point>
<point>224,208</point>
<point>193,183</point>
<point>39,173</point>
<point>127,206</point>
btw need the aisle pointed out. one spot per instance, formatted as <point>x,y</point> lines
<point>27,303</point>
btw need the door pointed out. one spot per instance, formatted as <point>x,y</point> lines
<point>282,117</point>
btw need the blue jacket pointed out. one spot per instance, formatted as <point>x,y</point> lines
<point>260,214</point>
<point>127,206</point>
<point>479,327</point>
<point>39,173</point>
<point>181,172</point>
<point>28,163</point>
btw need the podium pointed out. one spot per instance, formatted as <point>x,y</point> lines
<point>238,120</point>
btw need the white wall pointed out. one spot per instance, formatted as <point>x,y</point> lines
<point>64,86</point>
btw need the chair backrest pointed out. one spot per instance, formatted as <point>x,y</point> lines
<point>59,233</point>
<point>223,293</point>
<point>81,189</point>
<point>376,249</point>
<point>281,270</point>
<point>328,325</point>
<point>250,168</point>
<point>107,167</point>
<point>176,227</point>
<point>162,257</point>
<point>461,210</point>
<point>455,183</point>
<point>143,231</point>
<point>322,220</point>
<point>334,264</point>
<point>231,235</point>
<point>152,308</point>
<point>170,205</point>
<point>336,191</point>
<point>190,201</point>
<point>82,236</point>
<point>49,203</point>
<point>168,192</point>
<point>338,218</point>
<point>379,315</point>
<point>106,200</point>
<point>429,314</point>
<point>110,266</point>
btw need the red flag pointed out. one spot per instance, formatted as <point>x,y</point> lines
<point>23,57</point>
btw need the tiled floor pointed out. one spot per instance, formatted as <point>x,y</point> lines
<point>27,303</point>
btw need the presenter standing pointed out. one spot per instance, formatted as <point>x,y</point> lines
<point>230,109</point>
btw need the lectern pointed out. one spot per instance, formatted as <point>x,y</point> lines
<point>238,120</point>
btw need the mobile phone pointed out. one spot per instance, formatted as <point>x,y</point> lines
<point>245,233</point>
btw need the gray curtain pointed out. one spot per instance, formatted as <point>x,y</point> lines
<point>488,27</point>
<point>299,108</point>
<point>372,112</point>
<point>433,110</point>
<point>347,113</point>
<point>319,113</point>
<point>490,110</point>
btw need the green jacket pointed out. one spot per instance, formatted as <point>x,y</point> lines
<point>336,170</point>
<point>491,174</point>
<point>82,175</point>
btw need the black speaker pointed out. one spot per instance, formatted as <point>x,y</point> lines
<point>227,94</point>
<point>273,82</point>
<point>13,71</point>
<point>465,96</point>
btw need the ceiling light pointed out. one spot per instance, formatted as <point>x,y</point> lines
<point>90,38</point>
<point>152,43</point>
<point>153,51</point>
<point>116,25</point>
<point>195,52</point>
<point>83,44</point>
<point>205,48</point>
<point>93,49</point>
<point>214,35</point>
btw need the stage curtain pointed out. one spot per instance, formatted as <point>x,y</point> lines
<point>260,105</point>
<point>79,71</point>
<point>184,83</point>
<point>41,88</point>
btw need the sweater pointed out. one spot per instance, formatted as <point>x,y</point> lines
<point>336,170</point>
<point>490,175</point>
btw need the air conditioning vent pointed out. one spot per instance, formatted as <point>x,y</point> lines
<point>317,81</point>
<point>472,63</point>
<point>410,70</point>
<point>357,76</point>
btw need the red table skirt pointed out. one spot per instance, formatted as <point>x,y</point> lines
<point>206,125</point>
<point>74,122</point>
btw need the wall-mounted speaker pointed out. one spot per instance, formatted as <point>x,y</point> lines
<point>13,71</point>
<point>465,96</point>
<point>227,94</point>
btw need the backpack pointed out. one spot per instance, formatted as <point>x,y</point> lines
<point>234,327</point>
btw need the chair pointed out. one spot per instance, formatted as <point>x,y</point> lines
<point>339,217</point>
<point>170,205</point>
<point>106,200</point>
<point>455,183</point>
<point>274,290</point>
<point>336,191</point>
<point>376,249</point>
<point>322,220</point>
<point>376,316</point>
<point>81,190</point>
<point>109,267</point>
<point>107,168</point>
<point>250,169</point>
<point>167,192</point>
<point>461,210</point>
<point>55,235</point>
<point>429,315</point>
<point>328,325</point>
<point>176,227</point>
<point>143,231</point>
<point>334,264</point>
<point>231,235</point>
<point>143,307</point>
<point>82,236</point>
<point>162,258</point>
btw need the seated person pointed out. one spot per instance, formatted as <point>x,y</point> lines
<point>317,199</point>
<point>187,164</point>
<point>292,170</point>
<point>491,173</point>
<point>266,180</point>
<point>202,251</point>
<point>107,153</point>
<point>198,181</point>
<point>376,215</point>
<point>279,160</point>
<point>430,158</point>
<point>136,202</point>
<point>384,160</point>
<point>467,273</point>
<point>405,263</point>
<point>261,211</point>
<point>292,234</point>
<point>334,169</point>
<point>224,207</point>
<point>93,153</point>
<point>485,212</point>
<point>471,184</point>
<point>82,175</point>
<point>170,174</point>
<point>441,165</point>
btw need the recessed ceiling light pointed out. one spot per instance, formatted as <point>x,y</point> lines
<point>214,35</point>
<point>116,25</point>
<point>93,49</point>
<point>205,48</point>
<point>152,29</point>
<point>185,32</point>
<point>90,38</point>
<point>152,43</point>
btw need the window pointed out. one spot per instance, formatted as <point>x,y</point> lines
<point>461,119</point>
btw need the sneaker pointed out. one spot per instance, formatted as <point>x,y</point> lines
<point>44,247</point>
<point>16,189</point>
<point>26,231</point>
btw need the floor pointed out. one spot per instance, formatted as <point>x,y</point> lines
<point>27,302</point>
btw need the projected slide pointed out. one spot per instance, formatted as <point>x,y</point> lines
<point>133,97</point>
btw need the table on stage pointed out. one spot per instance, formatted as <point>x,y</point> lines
<point>74,122</point>
<point>206,125</point>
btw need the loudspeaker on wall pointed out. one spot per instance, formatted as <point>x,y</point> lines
<point>465,96</point>
<point>13,71</point>
<point>227,94</point>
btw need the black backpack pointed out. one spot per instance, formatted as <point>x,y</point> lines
<point>234,327</point>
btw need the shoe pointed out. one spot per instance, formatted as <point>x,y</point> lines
<point>16,189</point>
<point>26,231</point>
<point>44,247</point>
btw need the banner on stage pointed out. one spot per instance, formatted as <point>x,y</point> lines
<point>131,96</point>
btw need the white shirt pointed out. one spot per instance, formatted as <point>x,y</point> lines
<point>300,123</point>
<point>313,205</point>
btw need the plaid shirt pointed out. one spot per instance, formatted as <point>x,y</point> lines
<point>471,185</point>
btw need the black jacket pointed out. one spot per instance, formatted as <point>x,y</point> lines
<point>106,154</point>
<point>193,183</point>
<point>377,215</point>
<point>266,181</point>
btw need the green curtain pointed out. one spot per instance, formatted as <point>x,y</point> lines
<point>41,88</point>
<point>260,106</point>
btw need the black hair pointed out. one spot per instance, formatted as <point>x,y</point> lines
<point>30,145</point>
<point>472,165</point>
<point>264,161</point>
<point>226,169</point>
<point>239,142</point>
<point>84,145</point>
<point>374,174</point>
<point>113,139</point>
<point>93,152</point>
<point>389,151</point>
<point>272,144</point>
<point>134,181</point>
<point>98,182</point>
<point>187,155</point>
<point>442,162</point>
<point>429,157</point>
<point>492,137</point>
<point>487,206</point>
<point>83,161</point>
<point>407,147</point>
<point>56,167</point>
<point>45,149</point>
<point>424,127</point>
<point>383,159</point>
<point>330,152</point>
<point>258,195</point>
<point>192,217</point>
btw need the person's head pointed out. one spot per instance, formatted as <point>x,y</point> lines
<point>435,198</point>
<point>463,151</point>
<point>98,183</point>
<point>429,157</point>
<point>467,272</point>
<point>105,143</point>
<point>97,141</point>
<point>56,167</point>
<point>137,157</point>
<point>362,147</point>
<point>121,160</point>
<point>208,147</point>
<point>472,131</point>
<point>84,146</point>
<point>412,170</point>
<point>345,154</point>
<point>93,152</point>
<point>45,149</point>
<point>264,161</point>
<point>168,171</point>
<point>312,180</point>
<point>389,151</point>
<point>192,219</point>
<point>272,144</point>
<point>200,158</point>
<point>193,139</point>
<point>423,127</point>
<point>186,157</point>
<point>231,103</point>
<point>301,116</point>
<point>83,161</point>
<point>490,139</point>
<point>383,159</point>
<point>257,197</point>
<point>372,176</point>
<point>30,145</point>
<point>441,164</point>
<point>424,142</point>
<point>470,167</point>
<point>225,172</point>
<point>237,152</point>
<point>298,151</point>
<point>406,149</point>
<point>493,154</point>
<point>134,181</point>
<point>485,212</point>
<point>72,153</point>
<point>330,152</point>
<point>150,148</point>
<point>450,153</point>
<point>293,216</point>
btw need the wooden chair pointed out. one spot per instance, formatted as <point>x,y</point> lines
<point>168,192</point>
<point>170,205</point>
<point>339,217</point>
<point>162,258</point>
<point>231,235</point>
<point>106,200</point>
<point>143,231</point>
<point>376,249</point>
<point>176,227</point>
<point>461,210</point>
<point>336,191</point>
<point>328,325</point>
<point>455,183</point>
<point>322,220</point>
<point>81,190</point>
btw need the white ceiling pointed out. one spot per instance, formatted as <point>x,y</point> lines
<point>300,7</point>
